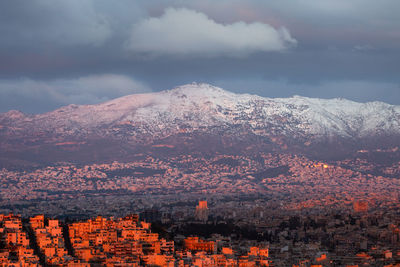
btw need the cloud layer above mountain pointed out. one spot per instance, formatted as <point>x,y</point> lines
<point>298,46</point>
<point>83,90</point>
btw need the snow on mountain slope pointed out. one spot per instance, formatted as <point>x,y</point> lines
<point>195,106</point>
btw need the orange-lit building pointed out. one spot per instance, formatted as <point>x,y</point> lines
<point>50,240</point>
<point>194,243</point>
<point>201,213</point>
<point>159,260</point>
<point>113,242</point>
<point>360,206</point>
<point>37,221</point>
<point>17,251</point>
<point>256,251</point>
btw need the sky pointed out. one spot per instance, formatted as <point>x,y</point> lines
<point>56,52</point>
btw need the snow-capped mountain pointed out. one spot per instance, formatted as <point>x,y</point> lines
<point>195,106</point>
<point>202,108</point>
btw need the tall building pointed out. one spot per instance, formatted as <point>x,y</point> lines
<point>202,211</point>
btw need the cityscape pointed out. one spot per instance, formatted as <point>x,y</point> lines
<point>356,237</point>
<point>272,210</point>
<point>289,183</point>
<point>200,133</point>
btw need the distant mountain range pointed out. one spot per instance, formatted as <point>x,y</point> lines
<point>197,118</point>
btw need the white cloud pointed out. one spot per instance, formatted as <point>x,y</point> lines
<point>84,90</point>
<point>188,32</point>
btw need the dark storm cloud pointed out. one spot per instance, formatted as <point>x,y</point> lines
<point>50,49</point>
<point>61,23</point>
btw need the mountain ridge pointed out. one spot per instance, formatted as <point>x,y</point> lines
<point>184,89</point>
<point>323,116</point>
<point>197,113</point>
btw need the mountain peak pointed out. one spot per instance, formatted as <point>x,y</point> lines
<point>197,89</point>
